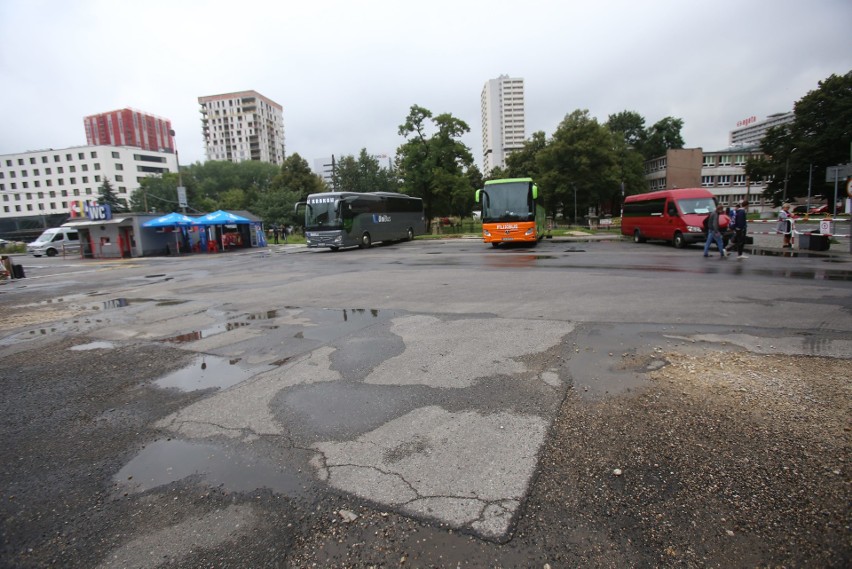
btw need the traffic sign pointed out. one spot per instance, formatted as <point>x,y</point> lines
<point>840,172</point>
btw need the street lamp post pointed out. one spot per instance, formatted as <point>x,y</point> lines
<point>787,175</point>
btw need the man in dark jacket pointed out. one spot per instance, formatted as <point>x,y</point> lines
<point>740,228</point>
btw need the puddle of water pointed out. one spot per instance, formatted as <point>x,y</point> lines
<point>93,346</point>
<point>164,462</point>
<point>330,324</point>
<point>207,372</point>
<point>205,333</point>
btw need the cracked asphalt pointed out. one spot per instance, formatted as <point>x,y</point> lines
<point>427,404</point>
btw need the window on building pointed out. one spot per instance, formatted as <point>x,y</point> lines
<point>61,182</point>
<point>97,166</point>
<point>25,185</point>
<point>739,160</point>
<point>115,154</point>
<point>76,192</point>
<point>47,171</point>
<point>724,181</point>
<point>724,160</point>
<point>740,180</point>
<point>119,167</point>
<point>32,160</point>
<point>20,161</point>
<point>72,168</point>
<point>68,157</point>
<point>80,156</point>
<point>44,159</point>
<point>56,157</point>
<point>709,161</point>
<point>88,191</point>
<point>94,154</point>
<point>97,179</point>
<point>85,167</point>
<point>48,183</point>
<point>60,170</point>
<point>64,193</point>
<point>24,173</point>
<point>37,184</point>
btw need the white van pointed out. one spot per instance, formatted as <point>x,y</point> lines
<point>54,241</point>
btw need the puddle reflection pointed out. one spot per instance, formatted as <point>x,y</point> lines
<point>164,462</point>
<point>207,372</point>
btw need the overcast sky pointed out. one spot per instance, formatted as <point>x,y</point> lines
<point>347,72</point>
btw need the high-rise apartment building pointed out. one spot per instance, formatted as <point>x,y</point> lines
<point>503,123</point>
<point>242,126</point>
<point>129,127</point>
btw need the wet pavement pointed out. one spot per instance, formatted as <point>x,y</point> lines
<point>422,378</point>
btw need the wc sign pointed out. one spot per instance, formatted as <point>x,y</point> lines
<point>97,212</point>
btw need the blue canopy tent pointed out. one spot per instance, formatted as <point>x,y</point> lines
<point>175,220</point>
<point>222,217</point>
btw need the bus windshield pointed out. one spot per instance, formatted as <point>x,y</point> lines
<point>696,205</point>
<point>321,214</point>
<point>509,201</point>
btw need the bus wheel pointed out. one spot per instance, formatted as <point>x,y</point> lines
<point>365,241</point>
<point>637,237</point>
<point>410,234</point>
<point>679,241</point>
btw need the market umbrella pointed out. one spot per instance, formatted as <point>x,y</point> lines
<point>221,217</point>
<point>173,219</point>
<point>170,220</point>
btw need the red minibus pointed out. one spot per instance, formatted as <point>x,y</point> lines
<point>668,215</point>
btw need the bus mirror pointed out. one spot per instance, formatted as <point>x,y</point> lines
<point>535,192</point>
<point>298,205</point>
<point>476,198</point>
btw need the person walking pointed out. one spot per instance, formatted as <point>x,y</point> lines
<point>714,231</point>
<point>275,233</point>
<point>785,226</point>
<point>740,229</point>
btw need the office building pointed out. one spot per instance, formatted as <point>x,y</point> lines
<point>242,126</point>
<point>129,127</point>
<point>720,171</point>
<point>503,120</point>
<point>48,182</point>
<point>750,131</point>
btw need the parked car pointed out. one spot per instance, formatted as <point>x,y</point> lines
<point>819,209</point>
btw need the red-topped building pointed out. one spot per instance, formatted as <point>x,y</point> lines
<point>128,127</point>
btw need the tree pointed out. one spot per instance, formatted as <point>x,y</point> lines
<point>579,161</point>
<point>434,167</point>
<point>158,194</point>
<point>296,176</point>
<point>523,163</point>
<point>818,137</point>
<point>363,174</point>
<point>631,126</point>
<point>665,134</point>
<point>107,196</point>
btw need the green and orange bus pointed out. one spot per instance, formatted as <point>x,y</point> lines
<point>512,211</point>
